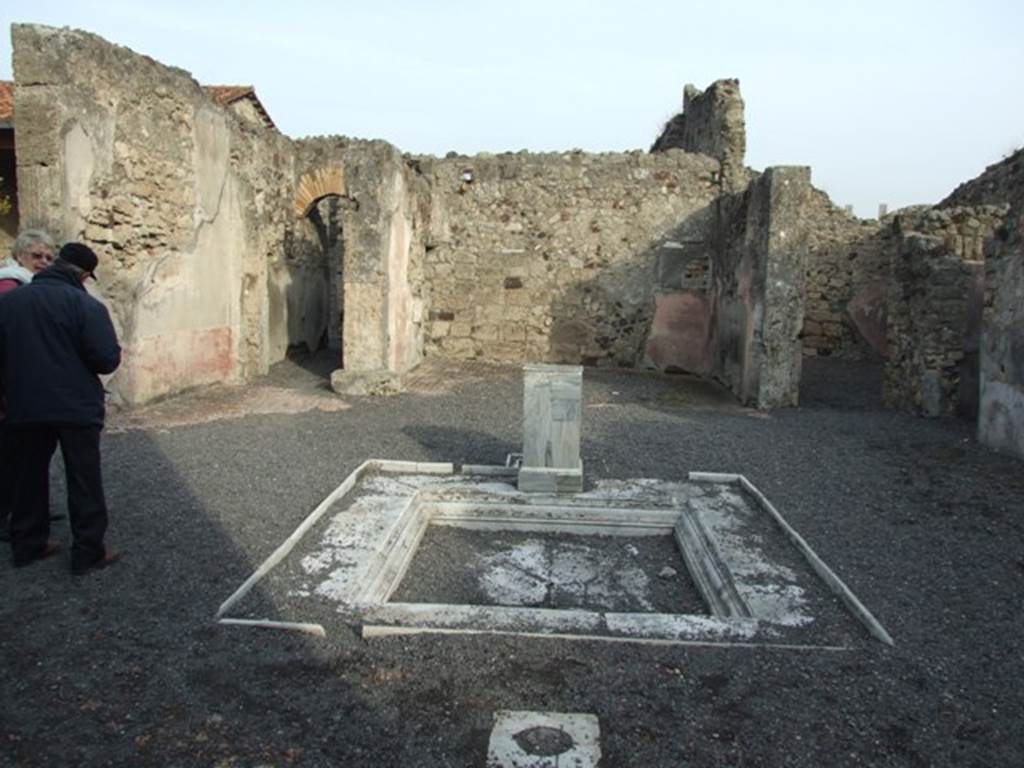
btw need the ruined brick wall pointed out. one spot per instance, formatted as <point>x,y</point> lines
<point>846,283</point>
<point>409,198</point>
<point>934,309</point>
<point>601,259</point>
<point>185,203</point>
<point>1000,370</point>
<point>383,221</point>
<point>1000,183</point>
<point>1001,409</point>
<point>553,257</point>
<point>757,291</point>
<point>712,123</point>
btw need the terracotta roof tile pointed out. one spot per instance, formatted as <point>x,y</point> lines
<point>229,94</point>
<point>225,95</point>
<point>6,101</point>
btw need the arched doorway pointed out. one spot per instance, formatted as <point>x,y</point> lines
<point>321,200</point>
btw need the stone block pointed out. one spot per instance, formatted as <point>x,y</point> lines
<point>544,739</point>
<point>365,383</point>
<point>931,393</point>
<point>552,416</point>
<point>487,332</point>
<point>547,480</point>
<point>513,333</point>
<point>38,122</point>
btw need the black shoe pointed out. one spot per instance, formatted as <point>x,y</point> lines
<point>49,550</point>
<point>97,565</point>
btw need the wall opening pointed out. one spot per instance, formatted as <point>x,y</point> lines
<point>8,191</point>
<point>326,217</point>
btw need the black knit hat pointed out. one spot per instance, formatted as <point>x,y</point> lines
<point>81,256</point>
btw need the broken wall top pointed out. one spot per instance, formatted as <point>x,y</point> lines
<point>712,123</point>
<point>1000,183</point>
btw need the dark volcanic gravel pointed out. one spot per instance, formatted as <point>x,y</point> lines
<point>126,667</point>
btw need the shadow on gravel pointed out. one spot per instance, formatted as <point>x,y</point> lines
<point>604,387</point>
<point>126,666</point>
<point>460,446</point>
<point>304,369</point>
<point>842,384</point>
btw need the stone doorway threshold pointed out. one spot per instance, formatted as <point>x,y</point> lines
<point>759,582</point>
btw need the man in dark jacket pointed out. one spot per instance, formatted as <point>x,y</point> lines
<point>54,340</point>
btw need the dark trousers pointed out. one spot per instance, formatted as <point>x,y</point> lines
<point>8,455</point>
<point>87,508</point>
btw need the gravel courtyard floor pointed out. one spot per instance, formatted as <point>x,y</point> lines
<point>126,667</point>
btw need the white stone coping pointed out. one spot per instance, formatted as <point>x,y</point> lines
<point>411,618</point>
<point>574,371</point>
<point>380,465</point>
<point>294,626</point>
<point>489,469</point>
<point>873,625</point>
<point>390,519</point>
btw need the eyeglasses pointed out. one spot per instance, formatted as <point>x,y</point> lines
<point>35,258</point>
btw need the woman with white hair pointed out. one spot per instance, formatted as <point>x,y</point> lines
<point>32,252</point>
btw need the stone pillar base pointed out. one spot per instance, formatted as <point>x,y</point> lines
<point>550,480</point>
<point>366,383</point>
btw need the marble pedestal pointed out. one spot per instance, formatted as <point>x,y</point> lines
<point>552,414</point>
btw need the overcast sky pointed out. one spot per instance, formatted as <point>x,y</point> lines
<point>893,102</point>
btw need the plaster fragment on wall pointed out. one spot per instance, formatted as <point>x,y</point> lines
<point>211,162</point>
<point>79,165</point>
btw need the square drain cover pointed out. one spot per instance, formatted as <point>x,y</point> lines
<point>544,740</point>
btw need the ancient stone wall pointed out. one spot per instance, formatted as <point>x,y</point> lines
<point>216,257</point>
<point>210,273</point>
<point>555,257</point>
<point>757,291</point>
<point>711,123</point>
<point>185,203</point>
<point>1000,388</point>
<point>1001,182</point>
<point>383,221</point>
<point>1001,409</point>
<point>935,309</point>
<point>846,283</point>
